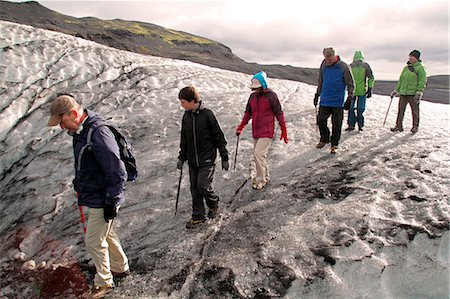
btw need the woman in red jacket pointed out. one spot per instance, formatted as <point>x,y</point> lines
<point>262,106</point>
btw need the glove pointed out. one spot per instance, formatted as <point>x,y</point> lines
<point>394,93</point>
<point>418,97</point>
<point>348,102</point>
<point>284,133</point>
<point>369,93</point>
<point>109,212</point>
<point>180,164</point>
<point>239,129</point>
<point>316,99</point>
<point>225,165</point>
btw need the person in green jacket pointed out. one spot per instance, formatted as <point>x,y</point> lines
<point>410,88</point>
<point>363,77</point>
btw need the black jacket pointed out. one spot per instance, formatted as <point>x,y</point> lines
<point>201,136</point>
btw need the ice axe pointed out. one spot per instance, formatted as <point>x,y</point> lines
<point>178,191</point>
<point>387,111</point>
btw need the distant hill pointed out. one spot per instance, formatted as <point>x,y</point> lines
<point>146,38</point>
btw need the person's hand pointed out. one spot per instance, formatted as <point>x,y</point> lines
<point>239,129</point>
<point>225,165</point>
<point>180,164</point>
<point>316,99</point>
<point>394,93</point>
<point>109,212</point>
<point>418,97</point>
<point>369,93</point>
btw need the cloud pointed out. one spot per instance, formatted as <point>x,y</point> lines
<point>284,33</point>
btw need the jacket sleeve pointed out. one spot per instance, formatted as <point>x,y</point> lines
<point>348,79</point>
<point>276,108</point>
<point>421,79</point>
<point>320,79</point>
<point>218,136</point>
<point>183,145</point>
<point>369,75</point>
<point>106,151</point>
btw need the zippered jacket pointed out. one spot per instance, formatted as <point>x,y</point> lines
<point>201,137</point>
<point>262,108</point>
<point>100,174</point>
<point>362,74</point>
<point>412,79</point>
<point>334,79</point>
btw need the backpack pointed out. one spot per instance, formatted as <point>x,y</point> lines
<point>125,149</point>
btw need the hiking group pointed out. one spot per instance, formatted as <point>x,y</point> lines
<point>101,170</point>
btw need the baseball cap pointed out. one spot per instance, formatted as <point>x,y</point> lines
<point>60,106</point>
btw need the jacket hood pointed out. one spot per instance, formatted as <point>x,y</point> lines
<point>358,56</point>
<point>261,77</point>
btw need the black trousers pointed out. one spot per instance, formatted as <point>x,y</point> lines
<point>337,115</point>
<point>201,189</point>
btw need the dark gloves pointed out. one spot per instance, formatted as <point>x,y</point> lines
<point>284,133</point>
<point>348,102</point>
<point>225,165</point>
<point>109,212</point>
<point>316,99</point>
<point>180,164</point>
<point>369,93</point>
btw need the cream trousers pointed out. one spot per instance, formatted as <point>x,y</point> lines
<point>104,247</point>
<point>260,149</point>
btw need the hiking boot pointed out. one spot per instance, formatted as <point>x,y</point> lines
<point>193,223</point>
<point>396,129</point>
<point>350,128</point>
<point>321,144</point>
<point>259,186</point>
<point>414,130</point>
<point>360,129</point>
<point>100,291</point>
<point>333,149</point>
<point>120,274</point>
<point>213,213</point>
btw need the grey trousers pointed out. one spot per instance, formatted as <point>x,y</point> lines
<point>201,180</point>
<point>404,100</point>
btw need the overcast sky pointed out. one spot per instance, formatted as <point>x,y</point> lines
<point>282,32</point>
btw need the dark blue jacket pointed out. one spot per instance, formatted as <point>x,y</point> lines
<point>333,81</point>
<point>100,174</point>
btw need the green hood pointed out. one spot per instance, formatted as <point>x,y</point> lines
<point>358,56</point>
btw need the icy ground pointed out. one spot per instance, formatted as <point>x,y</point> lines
<point>369,222</point>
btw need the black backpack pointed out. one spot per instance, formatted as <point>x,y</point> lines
<point>126,151</point>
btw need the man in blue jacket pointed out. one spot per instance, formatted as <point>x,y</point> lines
<point>334,78</point>
<point>100,177</point>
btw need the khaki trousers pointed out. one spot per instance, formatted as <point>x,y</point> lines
<point>260,149</point>
<point>404,100</point>
<point>104,247</point>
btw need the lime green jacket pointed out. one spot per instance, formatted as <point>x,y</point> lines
<point>362,74</point>
<point>410,81</point>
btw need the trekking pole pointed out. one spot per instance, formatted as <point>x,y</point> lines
<point>82,218</point>
<point>317,121</point>
<point>387,111</point>
<point>235,154</point>
<point>178,192</point>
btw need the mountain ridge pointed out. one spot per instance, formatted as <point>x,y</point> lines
<point>146,38</point>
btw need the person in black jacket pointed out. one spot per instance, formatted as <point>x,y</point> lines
<point>100,178</point>
<point>201,136</point>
